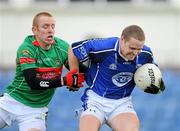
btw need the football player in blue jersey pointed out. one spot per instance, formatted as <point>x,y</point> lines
<point>109,75</point>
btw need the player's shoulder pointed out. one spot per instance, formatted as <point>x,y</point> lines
<point>108,40</point>
<point>145,55</point>
<point>27,47</point>
<point>61,44</point>
<point>60,41</point>
<point>109,43</point>
<point>27,43</point>
<point>146,49</point>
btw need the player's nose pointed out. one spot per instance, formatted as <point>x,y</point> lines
<point>50,29</point>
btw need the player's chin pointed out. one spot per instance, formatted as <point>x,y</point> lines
<point>131,58</point>
<point>49,42</point>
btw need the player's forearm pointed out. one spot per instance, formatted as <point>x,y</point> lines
<point>40,84</point>
<point>73,61</point>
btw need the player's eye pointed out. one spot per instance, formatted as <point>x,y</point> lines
<point>45,26</point>
<point>53,26</point>
<point>135,49</point>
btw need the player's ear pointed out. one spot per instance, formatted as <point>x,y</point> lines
<point>122,39</point>
<point>34,30</point>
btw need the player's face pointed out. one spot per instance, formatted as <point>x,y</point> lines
<point>45,30</point>
<point>130,49</point>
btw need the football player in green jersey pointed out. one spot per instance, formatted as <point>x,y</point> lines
<point>39,62</point>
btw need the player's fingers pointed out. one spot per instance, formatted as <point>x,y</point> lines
<point>81,76</point>
<point>74,71</point>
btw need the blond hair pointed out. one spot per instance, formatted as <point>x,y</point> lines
<point>37,16</point>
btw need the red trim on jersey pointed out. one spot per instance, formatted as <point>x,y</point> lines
<point>27,60</point>
<point>49,73</point>
<point>58,70</point>
<point>35,42</point>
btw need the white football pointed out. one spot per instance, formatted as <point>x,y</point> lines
<point>146,75</point>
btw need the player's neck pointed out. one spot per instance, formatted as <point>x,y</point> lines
<point>45,46</point>
<point>121,53</point>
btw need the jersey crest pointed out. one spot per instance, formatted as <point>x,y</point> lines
<point>25,52</point>
<point>122,78</point>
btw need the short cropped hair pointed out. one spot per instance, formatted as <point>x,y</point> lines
<point>133,31</point>
<point>37,16</point>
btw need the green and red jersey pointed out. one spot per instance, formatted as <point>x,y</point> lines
<point>48,65</point>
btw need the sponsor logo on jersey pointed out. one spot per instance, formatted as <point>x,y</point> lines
<point>44,84</point>
<point>48,75</point>
<point>83,51</point>
<point>113,66</point>
<point>122,78</point>
<point>58,62</point>
<point>126,63</point>
<point>43,60</point>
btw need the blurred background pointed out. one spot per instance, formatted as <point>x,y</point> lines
<point>81,19</point>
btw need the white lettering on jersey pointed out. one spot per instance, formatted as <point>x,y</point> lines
<point>44,84</point>
<point>83,51</point>
<point>122,78</point>
<point>43,60</point>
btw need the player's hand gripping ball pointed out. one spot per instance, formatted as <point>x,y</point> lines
<point>148,78</point>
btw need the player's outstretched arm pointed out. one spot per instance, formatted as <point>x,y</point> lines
<point>72,78</point>
<point>73,64</point>
<point>72,60</point>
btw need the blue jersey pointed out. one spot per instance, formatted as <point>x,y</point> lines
<point>109,74</point>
